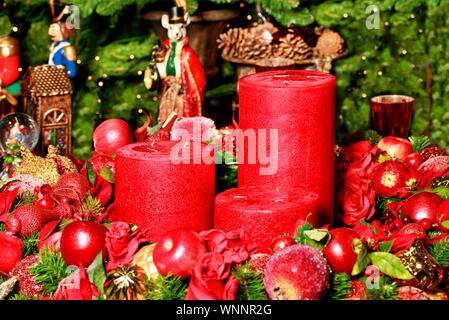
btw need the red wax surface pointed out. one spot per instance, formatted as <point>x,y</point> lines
<point>264,213</point>
<point>300,104</point>
<point>152,191</point>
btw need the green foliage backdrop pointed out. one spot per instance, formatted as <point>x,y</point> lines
<point>405,53</point>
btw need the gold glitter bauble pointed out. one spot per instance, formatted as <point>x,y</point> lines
<point>425,269</point>
<point>49,169</point>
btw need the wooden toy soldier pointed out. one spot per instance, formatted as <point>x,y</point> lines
<point>61,51</point>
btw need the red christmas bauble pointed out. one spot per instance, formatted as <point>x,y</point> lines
<point>423,205</point>
<point>389,178</point>
<point>177,252</point>
<point>81,241</point>
<point>111,135</point>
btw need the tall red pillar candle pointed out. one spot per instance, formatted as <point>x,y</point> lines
<point>264,213</point>
<point>300,106</point>
<point>153,190</point>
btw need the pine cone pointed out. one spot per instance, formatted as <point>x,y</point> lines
<point>291,46</point>
<point>329,43</point>
<point>246,43</point>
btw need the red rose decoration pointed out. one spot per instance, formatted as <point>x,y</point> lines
<point>357,156</point>
<point>212,279</point>
<point>354,199</point>
<point>229,244</point>
<point>122,243</point>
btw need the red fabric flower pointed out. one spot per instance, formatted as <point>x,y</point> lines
<point>370,235</point>
<point>101,189</point>
<point>357,156</point>
<point>229,244</point>
<point>122,243</point>
<point>6,200</point>
<point>77,286</point>
<point>354,199</point>
<point>212,279</point>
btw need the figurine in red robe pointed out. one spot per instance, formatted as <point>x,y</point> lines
<point>183,81</point>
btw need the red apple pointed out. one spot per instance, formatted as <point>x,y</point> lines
<point>443,216</point>
<point>11,249</point>
<point>341,251</point>
<point>414,160</point>
<point>177,252</point>
<point>111,135</point>
<point>297,272</point>
<point>396,147</point>
<point>423,205</point>
<point>81,241</point>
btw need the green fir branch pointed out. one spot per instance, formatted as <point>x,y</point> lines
<point>250,283</point>
<point>30,244</point>
<point>419,143</point>
<point>383,289</point>
<point>24,199</point>
<point>299,236</point>
<point>341,286</point>
<point>440,251</point>
<point>165,288</point>
<point>50,270</point>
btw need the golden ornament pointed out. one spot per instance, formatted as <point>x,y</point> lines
<point>420,263</point>
<point>144,259</point>
<point>49,169</point>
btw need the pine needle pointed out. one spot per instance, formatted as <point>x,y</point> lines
<point>419,143</point>
<point>250,283</point>
<point>30,244</point>
<point>385,289</point>
<point>50,270</point>
<point>24,199</point>
<point>440,251</point>
<point>299,234</point>
<point>165,288</point>
<point>341,286</point>
<point>92,205</point>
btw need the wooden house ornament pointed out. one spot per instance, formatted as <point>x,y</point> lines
<point>47,97</point>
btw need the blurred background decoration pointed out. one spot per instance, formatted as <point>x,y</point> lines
<point>393,46</point>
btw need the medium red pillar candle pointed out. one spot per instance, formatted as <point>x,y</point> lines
<point>264,213</point>
<point>300,106</point>
<point>152,190</point>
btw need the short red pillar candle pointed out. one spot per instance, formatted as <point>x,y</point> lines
<point>264,213</point>
<point>300,105</point>
<point>154,191</point>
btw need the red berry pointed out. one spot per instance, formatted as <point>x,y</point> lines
<point>388,215</point>
<point>281,242</point>
<point>397,223</point>
<point>426,224</point>
<point>64,199</point>
<point>406,219</point>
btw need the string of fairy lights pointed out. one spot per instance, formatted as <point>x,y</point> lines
<point>101,82</point>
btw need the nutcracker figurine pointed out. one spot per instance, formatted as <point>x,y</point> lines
<point>61,51</point>
<point>183,81</point>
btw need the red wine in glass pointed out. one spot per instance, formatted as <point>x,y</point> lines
<point>392,114</point>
